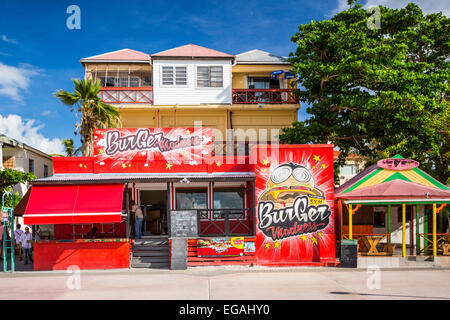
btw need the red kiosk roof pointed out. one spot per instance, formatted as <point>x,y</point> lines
<point>70,204</point>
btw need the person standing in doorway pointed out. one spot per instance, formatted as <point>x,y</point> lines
<point>26,245</point>
<point>37,233</point>
<point>139,218</point>
<point>17,244</point>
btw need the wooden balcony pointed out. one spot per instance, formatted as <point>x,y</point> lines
<point>264,96</point>
<point>119,95</point>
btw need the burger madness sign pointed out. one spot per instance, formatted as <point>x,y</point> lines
<point>192,144</point>
<point>294,191</point>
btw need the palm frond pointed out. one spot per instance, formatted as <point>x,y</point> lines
<point>66,97</point>
<point>94,113</point>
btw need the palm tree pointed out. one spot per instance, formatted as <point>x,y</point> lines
<point>90,110</point>
<point>71,151</point>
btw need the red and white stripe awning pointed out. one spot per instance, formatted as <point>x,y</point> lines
<point>72,204</point>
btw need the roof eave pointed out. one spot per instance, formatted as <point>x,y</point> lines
<point>113,61</point>
<point>264,62</point>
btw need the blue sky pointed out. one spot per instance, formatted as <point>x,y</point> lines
<point>39,54</point>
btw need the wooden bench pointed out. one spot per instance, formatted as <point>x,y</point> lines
<point>446,249</point>
<point>388,248</point>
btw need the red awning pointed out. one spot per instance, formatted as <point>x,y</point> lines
<point>70,204</point>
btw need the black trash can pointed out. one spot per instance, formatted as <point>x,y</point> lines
<point>349,257</point>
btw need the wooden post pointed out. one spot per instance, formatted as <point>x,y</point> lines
<point>350,222</point>
<point>403,230</point>
<point>417,229</point>
<point>434,231</point>
<point>389,223</point>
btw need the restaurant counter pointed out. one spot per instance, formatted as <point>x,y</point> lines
<point>84,254</point>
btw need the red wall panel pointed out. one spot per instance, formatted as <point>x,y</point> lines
<point>295,205</point>
<point>55,255</point>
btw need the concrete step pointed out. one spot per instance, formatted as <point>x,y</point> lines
<point>153,253</point>
<point>420,258</point>
<point>154,265</point>
<point>150,260</point>
<point>153,249</point>
<point>152,242</point>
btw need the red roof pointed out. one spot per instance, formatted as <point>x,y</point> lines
<point>192,50</point>
<point>124,54</point>
<point>395,189</point>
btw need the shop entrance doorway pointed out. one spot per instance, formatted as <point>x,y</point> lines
<point>154,206</point>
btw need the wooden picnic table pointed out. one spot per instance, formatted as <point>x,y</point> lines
<point>372,241</point>
<point>443,243</point>
<point>369,244</point>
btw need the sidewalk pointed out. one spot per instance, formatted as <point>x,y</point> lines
<point>229,283</point>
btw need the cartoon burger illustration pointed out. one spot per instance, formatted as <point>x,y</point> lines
<point>288,182</point>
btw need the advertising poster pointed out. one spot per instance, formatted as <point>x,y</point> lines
<point>176,145</point>
<point>220,247</point>
<point>294,196</point>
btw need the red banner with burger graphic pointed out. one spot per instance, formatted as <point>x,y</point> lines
<point>294,204</point>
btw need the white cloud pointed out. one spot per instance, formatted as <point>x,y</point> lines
<point>14,80</point>
<point>427,6</point>
<point>27,131</point>
<point>342,5</point>
<point>6,39</point>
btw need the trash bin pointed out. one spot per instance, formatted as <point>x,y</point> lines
<point>349,257</point>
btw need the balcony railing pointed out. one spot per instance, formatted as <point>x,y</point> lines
<point>127,94</point>
<point>270,96</point>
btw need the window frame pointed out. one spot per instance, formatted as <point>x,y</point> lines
<point>174,82</point>
<point>209,66</point>
<point>244,201</point>
<point>31,165</point>
<point>46,171</point>
<point>205,189</point>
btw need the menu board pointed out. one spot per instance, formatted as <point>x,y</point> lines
<point>183,224</point>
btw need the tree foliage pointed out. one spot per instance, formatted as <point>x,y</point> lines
<point>376,92</point>
<point>90,110</point>
<point>69,145</point>
<point>8,179</point>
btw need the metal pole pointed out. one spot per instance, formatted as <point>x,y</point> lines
<point>127,210</point>
<point>12,238</point>
<point>168,209</point>
<point>434,231</point>
<point>350,222</point>
<point>403,230</point>
<point>389,223</point>
<point>417,229</point>
<point>254,207</point>
<point>5,249</point>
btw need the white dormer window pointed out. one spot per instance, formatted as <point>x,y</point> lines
<point>210,77</point>
<point>174,76</point>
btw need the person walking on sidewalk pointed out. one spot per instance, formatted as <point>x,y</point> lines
<point>17,243</point>
<point>26,245</point>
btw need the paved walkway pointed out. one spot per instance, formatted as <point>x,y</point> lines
<point>228,283</point>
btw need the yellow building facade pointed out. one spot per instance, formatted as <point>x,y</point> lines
<point>188,85</point>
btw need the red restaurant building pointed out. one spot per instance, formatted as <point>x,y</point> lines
<point>274,207</point>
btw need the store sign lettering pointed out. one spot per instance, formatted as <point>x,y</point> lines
<point>298,219</point>
<point>143,139</point>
